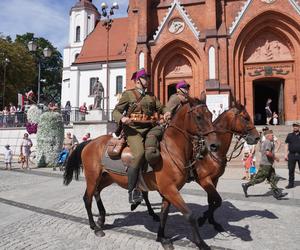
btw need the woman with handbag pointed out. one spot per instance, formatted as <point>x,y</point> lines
<point>25,151</point>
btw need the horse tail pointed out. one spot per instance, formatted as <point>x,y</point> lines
<point>73,163</point>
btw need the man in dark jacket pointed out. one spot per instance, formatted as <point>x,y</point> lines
<point>292,152</point>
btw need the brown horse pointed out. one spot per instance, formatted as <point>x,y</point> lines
<point>190,124</point>
<point>233,121</point>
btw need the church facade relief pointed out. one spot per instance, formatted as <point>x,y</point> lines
<point>268,67</point>
<point>267,48</point>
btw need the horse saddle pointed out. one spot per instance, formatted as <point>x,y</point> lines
<point>118,156</point>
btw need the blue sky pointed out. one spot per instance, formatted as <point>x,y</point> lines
<point>44,18</point>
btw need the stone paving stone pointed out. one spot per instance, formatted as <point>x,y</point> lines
<point>38,212</point>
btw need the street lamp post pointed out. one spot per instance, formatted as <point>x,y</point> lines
<point>107,24</point>
<point>32,46</point>
<point>6,61</point>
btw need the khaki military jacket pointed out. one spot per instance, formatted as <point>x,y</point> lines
<point>175,102</point>
<point>148,105</point>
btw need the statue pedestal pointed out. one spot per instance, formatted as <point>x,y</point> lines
<point>94,115</point>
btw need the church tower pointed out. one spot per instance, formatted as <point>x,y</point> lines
<point>83,19</point>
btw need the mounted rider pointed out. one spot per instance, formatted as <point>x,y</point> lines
<point>139,127</point>
<point>180,97</point>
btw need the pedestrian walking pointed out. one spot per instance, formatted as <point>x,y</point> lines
<point>8,154</point>
<point>25,150</point>
<point>266,169</point>
<point>292,152</point>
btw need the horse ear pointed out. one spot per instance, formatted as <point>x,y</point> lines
<point>203,96</point>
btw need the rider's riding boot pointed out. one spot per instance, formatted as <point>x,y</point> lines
<point>135,195</point>
<point>278,194</point>
<point>245,187</point>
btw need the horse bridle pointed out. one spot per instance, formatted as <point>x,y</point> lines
<point>198,141</point>
<point>243,134</point>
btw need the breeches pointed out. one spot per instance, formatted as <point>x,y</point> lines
<point>136,145</point>
<point>265,172</point>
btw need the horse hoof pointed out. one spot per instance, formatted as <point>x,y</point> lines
<point>203,246</point>
<point>201,221</point>
<point>155,217</point>
<point>134,205</point>
<point>100,223</point>
<point>99,232</point>
<point>166,243</point>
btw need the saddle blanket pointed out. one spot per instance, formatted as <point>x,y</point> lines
<point>118,167</point>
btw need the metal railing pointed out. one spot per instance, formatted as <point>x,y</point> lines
<point>19,119</point>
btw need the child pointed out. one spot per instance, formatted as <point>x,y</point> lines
<point>7,157</point>
<point>247,162</point>
<point>275,119</point>
<point>252,171</point>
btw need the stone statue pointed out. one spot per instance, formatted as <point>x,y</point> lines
<point>98,91</point>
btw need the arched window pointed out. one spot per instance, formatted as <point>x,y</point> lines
<point>212,63</point>
<point>77,34</point>
<point>119,84</point>
<point>141,60</point>
<point>76,55</point>
<point>93,81</point>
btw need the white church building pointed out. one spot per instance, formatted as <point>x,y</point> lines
<point>91,55</point>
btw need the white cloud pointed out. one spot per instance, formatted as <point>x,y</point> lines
<point>36,16</point>
<point>44,18</point>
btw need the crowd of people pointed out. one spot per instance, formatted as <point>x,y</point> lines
<point>12,116</point>
<point>26,145</point>
<point>268,148</point>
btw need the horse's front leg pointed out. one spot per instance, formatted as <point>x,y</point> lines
<point>214,201</point>
<point>173,196</point>
<point>154,216</point>
<point>166,243</point>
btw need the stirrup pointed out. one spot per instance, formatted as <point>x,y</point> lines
<point>135,196</point>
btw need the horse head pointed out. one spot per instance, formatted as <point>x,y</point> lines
<point>240,123</point>
<point>196,120</point>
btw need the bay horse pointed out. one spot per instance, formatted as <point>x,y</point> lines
<point>190,124</point>
<point>233,121</point>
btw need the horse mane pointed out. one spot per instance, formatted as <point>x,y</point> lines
<point>237,107</point>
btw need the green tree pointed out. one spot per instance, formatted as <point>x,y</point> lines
<point>20,70</point>
<point>51,68</point>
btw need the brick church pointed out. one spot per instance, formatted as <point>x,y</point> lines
<point>247,48</point>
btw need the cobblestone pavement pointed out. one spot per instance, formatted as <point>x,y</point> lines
<point>38,212</point>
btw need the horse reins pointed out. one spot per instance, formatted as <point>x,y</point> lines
<point>238,145</point>
<point>197,141</point>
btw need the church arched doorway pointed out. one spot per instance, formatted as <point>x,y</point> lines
<point>264,89</point>
<point>175,62</point>
<point>171,89</point>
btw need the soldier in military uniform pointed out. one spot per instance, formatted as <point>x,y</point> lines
<point>176,100</point>
<point>266,169</point>
<point>140,123</point>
